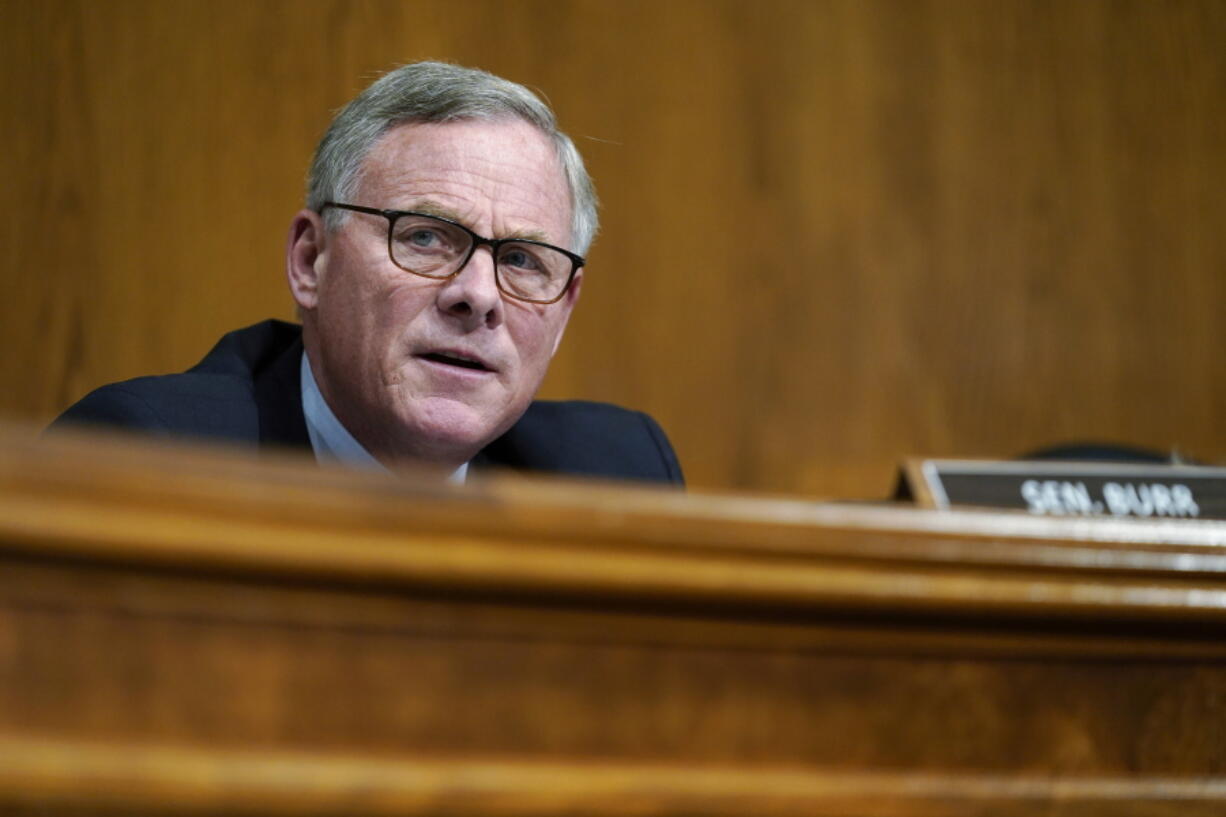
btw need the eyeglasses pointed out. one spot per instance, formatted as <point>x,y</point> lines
<point>435,247</point>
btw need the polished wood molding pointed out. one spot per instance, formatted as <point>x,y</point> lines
<point>173,780</point>
<point>120,500</point>
<point>187,630</point>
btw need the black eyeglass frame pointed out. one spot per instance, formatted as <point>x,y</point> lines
<point>576,261</point>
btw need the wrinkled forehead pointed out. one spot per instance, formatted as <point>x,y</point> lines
<point>480,169</point>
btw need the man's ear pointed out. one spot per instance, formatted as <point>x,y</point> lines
<point>304,257</point>
<point>568,303</point>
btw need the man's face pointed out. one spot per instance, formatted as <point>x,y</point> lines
<point>380,339</point>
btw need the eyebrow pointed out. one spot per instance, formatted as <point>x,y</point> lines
<point>430,208</point>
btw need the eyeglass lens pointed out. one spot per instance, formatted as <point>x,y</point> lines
<point>429,246</point>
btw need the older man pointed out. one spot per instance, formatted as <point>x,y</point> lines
<point>435,267</point>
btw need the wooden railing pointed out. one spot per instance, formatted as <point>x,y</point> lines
<point>191,632</point>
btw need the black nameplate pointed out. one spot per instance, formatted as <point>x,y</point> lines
<point>1073,488</point>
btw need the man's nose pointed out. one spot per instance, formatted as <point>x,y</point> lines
<point>472,293</point>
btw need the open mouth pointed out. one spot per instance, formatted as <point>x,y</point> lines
<point>455,360</point>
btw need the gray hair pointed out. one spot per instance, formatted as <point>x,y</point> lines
<point>439,92</point>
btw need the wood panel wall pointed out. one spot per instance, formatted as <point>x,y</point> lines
<point>835,233</point>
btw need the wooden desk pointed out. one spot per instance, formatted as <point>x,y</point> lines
<point>184,632</point>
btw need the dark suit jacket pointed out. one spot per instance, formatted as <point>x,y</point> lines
<point>247,391</point>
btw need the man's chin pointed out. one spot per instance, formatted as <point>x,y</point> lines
<point>449,432</point>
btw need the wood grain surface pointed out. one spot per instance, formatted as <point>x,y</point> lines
<point>836,234</point>
<point>112,780</point>
<point>188,631</point>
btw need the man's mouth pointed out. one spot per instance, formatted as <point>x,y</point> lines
<point>457,359</point>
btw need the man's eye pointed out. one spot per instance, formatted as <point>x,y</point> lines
<point>520,260</point>
<point>422,237</point>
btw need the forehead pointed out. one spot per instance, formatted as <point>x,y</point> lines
<point>499,176</point>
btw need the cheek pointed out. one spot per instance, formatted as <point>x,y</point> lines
<point>386,304</point>
<point>365,319</point>
<point>400,304</point>
<point>534,337</point>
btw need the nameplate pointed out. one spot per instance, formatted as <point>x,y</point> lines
<point>1072,488</point>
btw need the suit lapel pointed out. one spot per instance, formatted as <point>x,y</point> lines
<point>278,397</point>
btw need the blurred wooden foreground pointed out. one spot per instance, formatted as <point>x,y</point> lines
<point>185,632</point>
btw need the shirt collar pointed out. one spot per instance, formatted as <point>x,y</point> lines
<point>330,440</point>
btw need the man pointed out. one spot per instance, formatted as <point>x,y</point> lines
<point>435,267</point>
